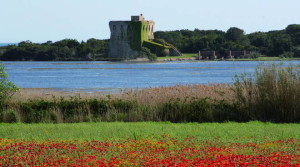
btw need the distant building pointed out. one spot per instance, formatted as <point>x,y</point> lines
<point>128,37</point>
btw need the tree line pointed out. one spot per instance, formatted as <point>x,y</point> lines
<point>279,43</point>
<point>284,43</point>
<point>64,50</point>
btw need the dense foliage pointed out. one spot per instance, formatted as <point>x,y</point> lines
<point>67,49</point>
<point>145,52</point>
<point>285,43</point>
<point>7,88</point>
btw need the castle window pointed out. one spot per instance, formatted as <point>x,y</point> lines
<point>114,27</point>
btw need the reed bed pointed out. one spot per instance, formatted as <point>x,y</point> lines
<point>271,94</point>
<point>191,103</point>
<point>190,92</point>
<point>144,96</point>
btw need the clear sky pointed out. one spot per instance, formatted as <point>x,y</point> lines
<point>43,20</point>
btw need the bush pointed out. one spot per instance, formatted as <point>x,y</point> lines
<point>287,55</point>
<point>145,52</point>
<point>272,94</point>
<point>7,88</point>
<point>296,51</point>
<point>199,110</point>
<point>94,110</point>
<point>254,55</point>
<point>8,116</point>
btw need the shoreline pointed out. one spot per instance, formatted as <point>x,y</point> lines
<point>179,58</point>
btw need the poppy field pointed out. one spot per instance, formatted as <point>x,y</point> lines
<point>261,145</point>
<point>148,152</point>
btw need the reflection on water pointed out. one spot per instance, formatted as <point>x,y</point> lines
<point>108,76</point>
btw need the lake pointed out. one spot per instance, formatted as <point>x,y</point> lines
<point>111,76</point>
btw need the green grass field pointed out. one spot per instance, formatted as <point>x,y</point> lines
<point>233,132</point>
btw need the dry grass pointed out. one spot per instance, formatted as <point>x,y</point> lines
<point>25,94</point>
<point>164,94</point>
<point>153,104</point>
<point>145,96</point>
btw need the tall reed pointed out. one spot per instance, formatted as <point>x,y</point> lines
<point>271,94</point>
<point>107,110</point>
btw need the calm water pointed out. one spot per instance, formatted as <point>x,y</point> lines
<point>6,44</point>
<point>108,76</point>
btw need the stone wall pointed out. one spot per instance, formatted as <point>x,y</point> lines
<point>127,37</point>
<point>119,43</point>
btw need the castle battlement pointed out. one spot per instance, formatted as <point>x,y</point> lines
<point>138,18</point>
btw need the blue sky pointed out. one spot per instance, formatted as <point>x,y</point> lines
<point>43,20</point>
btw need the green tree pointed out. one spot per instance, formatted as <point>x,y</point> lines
<point>7,88</point>
<point>70,43</point>
<point>234,34</point>
<point>296,51</point>
<point>25,44</point>
<point>258,39</point>
<point>260,42</point>
<point>281,42</point>
<point>294,31</point>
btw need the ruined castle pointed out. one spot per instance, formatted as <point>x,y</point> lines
<point>128,37</point>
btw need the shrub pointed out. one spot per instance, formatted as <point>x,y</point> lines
<point>7,88</point>
<point>254,55</point>
<point>251,55</point>
<point>198,110</point>
<point>8,116</point>
<point>287,55</point>
<point>296,51</point>
<point>145,52</point>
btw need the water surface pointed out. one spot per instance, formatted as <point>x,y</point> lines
<point>107,76</point>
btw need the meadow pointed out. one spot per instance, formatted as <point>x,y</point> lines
<point>235,132</point>
<point>150,144</point>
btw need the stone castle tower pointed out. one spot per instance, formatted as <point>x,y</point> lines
<point>128,37</point>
